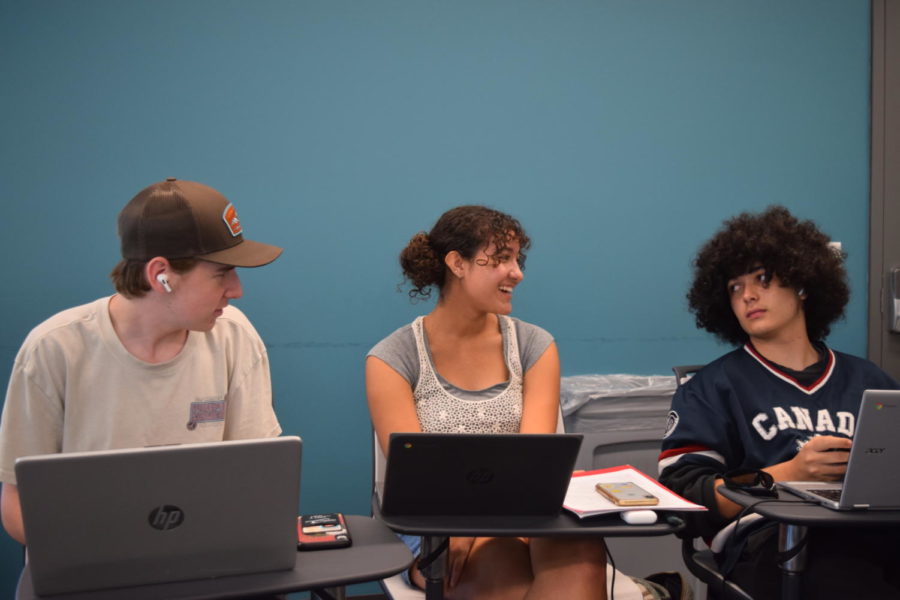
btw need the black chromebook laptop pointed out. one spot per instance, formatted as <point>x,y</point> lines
<point>118,518</point>
<point>872,481</point>
<point>437,474</point>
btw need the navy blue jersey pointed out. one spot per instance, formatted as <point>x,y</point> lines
<point>742,411</point>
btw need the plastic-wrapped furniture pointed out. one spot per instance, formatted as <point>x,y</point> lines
<point>622,418</point>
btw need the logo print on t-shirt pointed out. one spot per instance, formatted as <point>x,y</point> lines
<point>208,411</point>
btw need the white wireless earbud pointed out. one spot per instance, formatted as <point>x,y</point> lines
<point>164,281</point>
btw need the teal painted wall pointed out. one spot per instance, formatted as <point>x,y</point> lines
<point>620,133</point>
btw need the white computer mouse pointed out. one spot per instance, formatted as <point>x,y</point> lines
<point>638,517</point>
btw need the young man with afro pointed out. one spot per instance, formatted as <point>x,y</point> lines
<point>783,402</point>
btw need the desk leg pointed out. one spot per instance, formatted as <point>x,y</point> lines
<point>434,573</point>
<point>333,593</point>
<point>792,569</point>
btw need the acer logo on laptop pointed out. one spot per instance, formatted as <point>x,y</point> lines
<point>875,450</point>
<point>166,517</point>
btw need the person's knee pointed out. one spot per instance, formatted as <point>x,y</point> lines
<point>592,550</point>
<point>588,553</point>
<point>569,568</point>
<point>587,562</point>
<point>500,557</point>
<point>497,568</point>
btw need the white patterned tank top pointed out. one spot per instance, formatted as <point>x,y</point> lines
<point>440,411</point>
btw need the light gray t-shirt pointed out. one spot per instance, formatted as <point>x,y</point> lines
<point>398,350</point>
<point>74,387</point>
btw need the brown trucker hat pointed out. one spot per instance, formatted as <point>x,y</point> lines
<point>186,219</point>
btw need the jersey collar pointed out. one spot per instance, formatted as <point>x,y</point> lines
<point>774,370</point>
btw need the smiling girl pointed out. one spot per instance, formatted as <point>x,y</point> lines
<point>468,367</point>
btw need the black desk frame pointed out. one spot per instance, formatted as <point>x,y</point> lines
<point>794,516</point>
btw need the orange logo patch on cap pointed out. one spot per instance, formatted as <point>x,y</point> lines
<point>231,220</point>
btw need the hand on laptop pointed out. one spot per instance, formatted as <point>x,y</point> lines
<point>823,458</point>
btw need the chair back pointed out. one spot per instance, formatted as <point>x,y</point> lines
<point>684,372</point>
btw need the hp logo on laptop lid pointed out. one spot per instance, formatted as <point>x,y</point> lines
<point>166,517</point>
<point>480,476</point>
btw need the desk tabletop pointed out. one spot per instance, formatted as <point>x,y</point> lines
<point>561,525</point>
<point>794,510</point>
<point>376,553</point>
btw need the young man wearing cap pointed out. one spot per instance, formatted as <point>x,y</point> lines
<point>164,361</point>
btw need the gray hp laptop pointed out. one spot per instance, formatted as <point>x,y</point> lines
<point>439,474</point>
<point>872,481</point>
<point>118,518</point>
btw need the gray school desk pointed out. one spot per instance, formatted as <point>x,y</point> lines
<point>794,515</point>
<point>565,524</point>
<point>376,553</point>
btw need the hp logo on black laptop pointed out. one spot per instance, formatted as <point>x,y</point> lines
<point>166,517</point>
<point>480,476</point>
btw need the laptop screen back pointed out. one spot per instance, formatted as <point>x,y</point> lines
<point>872,480</point>
<point>117,518</point>
<point>478,474</point>
<point>873,472</point>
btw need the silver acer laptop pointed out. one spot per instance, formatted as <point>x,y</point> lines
<point>872,481</point>
<point>116,518</point>
<point>439,474</point>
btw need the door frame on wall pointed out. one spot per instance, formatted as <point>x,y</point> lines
<point>884,199</point>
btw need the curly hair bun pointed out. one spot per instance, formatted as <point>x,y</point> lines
<point>421,265</point>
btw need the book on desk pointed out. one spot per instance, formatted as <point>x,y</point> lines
<point>583,499</point>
